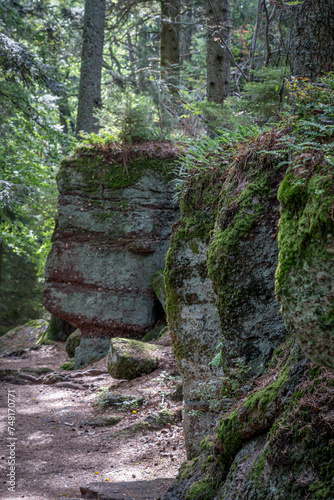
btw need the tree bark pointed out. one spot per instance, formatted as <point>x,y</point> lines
<point>218,59</point>
<point>91,65</point>
<point>312,46</point>
<point>187,31</point>
<point>170,43</point>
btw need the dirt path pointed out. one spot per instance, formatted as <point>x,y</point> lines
<point>58,450</point>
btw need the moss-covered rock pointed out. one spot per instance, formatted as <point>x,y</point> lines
<point>191,307</point>
<point>72,343</point>
<point>115,212</point>
<point>128,359</point>
<point>305,275</point>
<point>243,257</point>
<point>23,337</point>
<point>69,365</point>
<point>58,330</point>
<point>159,287</point>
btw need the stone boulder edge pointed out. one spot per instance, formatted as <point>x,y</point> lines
<point>115,212</point>
<point>128,358</point>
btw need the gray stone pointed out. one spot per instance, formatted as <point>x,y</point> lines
<point>159,287</point>
<point>90,351</point>
<point>177,394</point>
<point>23,337</point>
<point>128,358</point>
<point>112,235</point>
<point>129,490</point>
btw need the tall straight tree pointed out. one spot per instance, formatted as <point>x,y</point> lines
<point>170,42</point>
<point>218,64</point>
<point>312,47</point>
<point>91,65</point>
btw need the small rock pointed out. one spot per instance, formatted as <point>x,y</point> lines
<point>177,394</point>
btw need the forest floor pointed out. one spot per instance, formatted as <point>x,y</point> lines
<point>61,452</point>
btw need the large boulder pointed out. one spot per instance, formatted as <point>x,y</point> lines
<point>128,358</point>
<point>116,208</point>
<point>242,261</point>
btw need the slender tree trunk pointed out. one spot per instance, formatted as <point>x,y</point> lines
<point>91,65</point>
<point>312,47</point>
<point>187,31</point>
<point>170,43</point>
<point>218,59</point>
<point>132,59</point>
<point>254,39</point>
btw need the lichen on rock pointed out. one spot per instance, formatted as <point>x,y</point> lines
<point>115,212</point>
<point>128,358</point>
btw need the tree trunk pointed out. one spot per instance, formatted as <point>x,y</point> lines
<point>312,47</point>
<point>187,31</point>
<point>91,65</point>
<point>217,59</point>
<point>170,43</point>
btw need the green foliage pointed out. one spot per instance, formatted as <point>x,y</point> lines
<point>267,95</point>
<point>127,117</point>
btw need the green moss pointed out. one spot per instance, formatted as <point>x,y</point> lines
<point>99,172</point>
<point>51,334</point>
<point>237,214</point>
<point>200,490</point>
<point>305,225</point>
<point>229,433</point>
<point>68,366</point>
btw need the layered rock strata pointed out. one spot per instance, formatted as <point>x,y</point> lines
<point>116,208</point>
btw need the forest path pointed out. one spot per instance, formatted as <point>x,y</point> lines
<point>58,450</point>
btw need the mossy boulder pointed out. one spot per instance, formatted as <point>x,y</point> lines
<point>72,343</point>
<point>23,337</point>
<point>305,275</point>
<point>128,358</point>
<point>115,212</point>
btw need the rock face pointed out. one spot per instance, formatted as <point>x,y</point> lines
<point>191,309</point>
<point>305,276</point>
<point>91,349</point>
<point>276,408</point>
<point>128,359</point>
<point>242,261</point>
<point>115,215</point>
